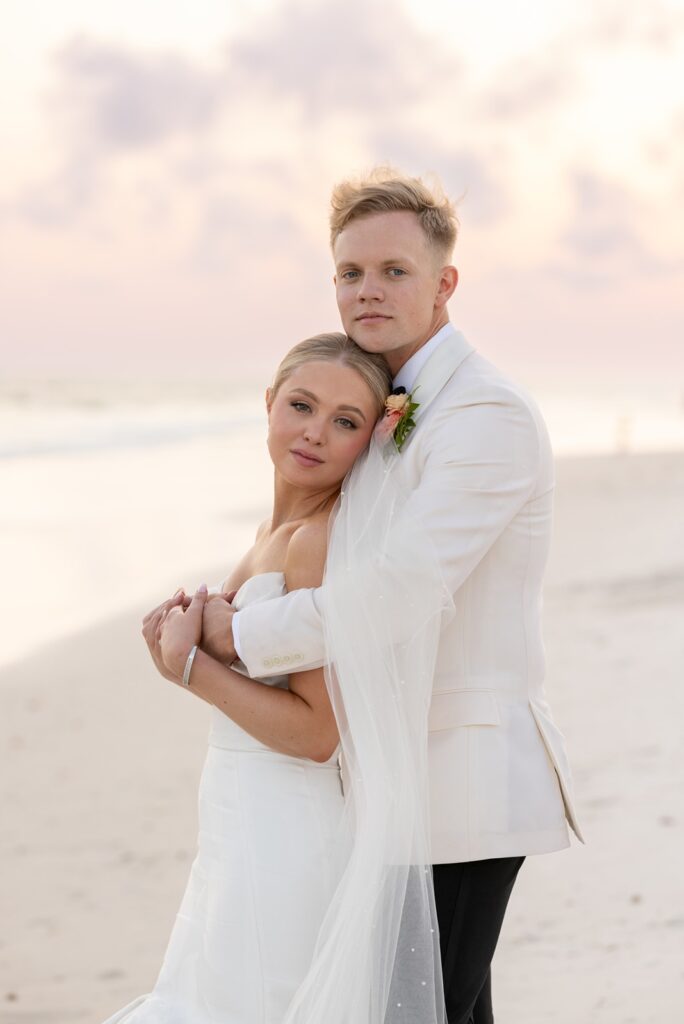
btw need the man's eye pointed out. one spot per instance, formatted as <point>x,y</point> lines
<point>397,272</point>
<point>348,275</point>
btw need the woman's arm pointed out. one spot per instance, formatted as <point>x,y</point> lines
<point>298,721</point>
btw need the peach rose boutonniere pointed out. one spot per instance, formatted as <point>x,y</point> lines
<point>398,421</point>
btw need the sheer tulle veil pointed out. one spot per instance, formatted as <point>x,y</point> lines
<point>377,956</point>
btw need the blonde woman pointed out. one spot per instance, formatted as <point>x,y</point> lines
<point>270,800</point>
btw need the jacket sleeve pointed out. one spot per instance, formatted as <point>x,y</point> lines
<point>481,460</point>
<point>282,635</point>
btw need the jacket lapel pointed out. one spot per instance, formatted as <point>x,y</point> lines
<point>438,371</point>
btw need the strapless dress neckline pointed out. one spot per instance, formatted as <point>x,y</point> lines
<point>260,587</point>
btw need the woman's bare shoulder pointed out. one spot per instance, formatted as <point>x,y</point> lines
<point>306,553</point>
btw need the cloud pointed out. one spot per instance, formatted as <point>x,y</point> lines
<point>657,24</point>
<point>311,90</point>
<point>555,73</point>
<point>601,242</point>
<point>55,202</point>
<point>275,91</point>
<point>234,236</point>
<point>119,99</point>
<point>461,170</point>
<point>357,57</point>
<point>528,86</point>
<point>109,103</point>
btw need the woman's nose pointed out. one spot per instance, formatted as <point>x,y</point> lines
<point>314,433</point>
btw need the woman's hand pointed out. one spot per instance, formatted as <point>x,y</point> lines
<point>151,630</point>
<point>179,629</point>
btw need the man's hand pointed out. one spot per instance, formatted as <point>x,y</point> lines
<point>217,628</point>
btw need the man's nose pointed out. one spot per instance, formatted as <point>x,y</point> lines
<point>370,287</point>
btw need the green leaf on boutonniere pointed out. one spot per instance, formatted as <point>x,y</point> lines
<point>405,424</point>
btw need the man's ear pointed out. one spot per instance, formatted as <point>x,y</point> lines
<point>448,279</point>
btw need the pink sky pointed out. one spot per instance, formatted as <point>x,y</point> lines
<point>163,197</point>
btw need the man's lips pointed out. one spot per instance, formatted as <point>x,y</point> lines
<point>306,458</point>
<point>373,316</point>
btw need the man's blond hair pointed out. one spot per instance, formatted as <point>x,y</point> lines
<point>386,190</point>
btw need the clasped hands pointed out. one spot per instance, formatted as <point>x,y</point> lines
<point>173,628</point>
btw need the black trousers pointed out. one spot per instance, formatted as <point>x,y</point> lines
<point>471,900</point>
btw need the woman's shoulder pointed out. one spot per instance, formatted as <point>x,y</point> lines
<point>306,553</point>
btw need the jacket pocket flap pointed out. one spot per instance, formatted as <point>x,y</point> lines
<point>452,708</point>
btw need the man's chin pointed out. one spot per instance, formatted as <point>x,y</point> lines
<point>373,341</point>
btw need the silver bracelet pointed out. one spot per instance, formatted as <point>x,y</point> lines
<point>188,666</point>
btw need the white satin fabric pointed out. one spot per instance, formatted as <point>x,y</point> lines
<point>264,876</point>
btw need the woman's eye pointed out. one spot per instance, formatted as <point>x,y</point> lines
<point>347,424</point>
<point>301,406</point>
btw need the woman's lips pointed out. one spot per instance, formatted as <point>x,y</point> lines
<point>306,460</point>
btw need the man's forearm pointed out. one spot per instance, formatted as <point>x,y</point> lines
<point>282,635</point>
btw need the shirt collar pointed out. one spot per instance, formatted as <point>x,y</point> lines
<point>408,374</point>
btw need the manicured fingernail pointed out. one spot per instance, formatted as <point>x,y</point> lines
<point>202,589</point>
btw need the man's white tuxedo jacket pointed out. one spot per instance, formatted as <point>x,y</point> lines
<point>479,468</point>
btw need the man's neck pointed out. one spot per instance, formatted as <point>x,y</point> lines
<point>400,357</point>
<point>406,375</point>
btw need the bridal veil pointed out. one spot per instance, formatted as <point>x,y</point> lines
<point>377,956</point>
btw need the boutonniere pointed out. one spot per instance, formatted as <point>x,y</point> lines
<point>397,421</point>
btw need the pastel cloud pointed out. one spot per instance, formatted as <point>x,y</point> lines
<point>363,58</point>
<point>215,171</point>
<point>123,100</point>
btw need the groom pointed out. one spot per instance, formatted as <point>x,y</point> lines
<point>481,478</point>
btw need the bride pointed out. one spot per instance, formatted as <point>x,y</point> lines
<point>271,833</point>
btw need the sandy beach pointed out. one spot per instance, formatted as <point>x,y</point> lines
<point>101,760</point>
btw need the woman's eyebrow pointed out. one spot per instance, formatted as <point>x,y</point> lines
<point>351,408</point>
<point>341,408</point>
<point>303,391</point>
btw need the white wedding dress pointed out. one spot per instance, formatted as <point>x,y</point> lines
<point>269,834</point>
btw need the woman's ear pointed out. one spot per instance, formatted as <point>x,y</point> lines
<point>269,399</point>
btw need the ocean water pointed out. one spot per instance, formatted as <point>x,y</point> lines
<point>114,505</point>
<point>113,495</point>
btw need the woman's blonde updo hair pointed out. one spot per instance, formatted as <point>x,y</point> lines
<point>338,348</point>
